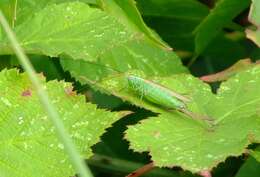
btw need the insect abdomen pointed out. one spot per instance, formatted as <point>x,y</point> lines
<point>155,93</point>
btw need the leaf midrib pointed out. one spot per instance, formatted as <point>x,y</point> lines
<point>235,109</point>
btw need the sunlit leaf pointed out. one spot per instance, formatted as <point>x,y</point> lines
<point>29,144</point>
<point>175,139</point>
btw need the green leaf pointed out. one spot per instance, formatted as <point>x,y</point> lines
<point>92,38</point>
<point>219,17</point>
<point>128,14</point>
<point>254,16</point>
<point>29,146</point>
<point>174,139</point>
<point>71,28</point>
<point>251,166</point>
<point>41,64</point>
<point>47,66</point>
<point>256,154</point>
<point>5,62</point>
<point>223,51</point>
<point>174,20</point>
<point>19,11</point>
<point>133,55</point>
<point>9,11</point>
<point>194,10</point>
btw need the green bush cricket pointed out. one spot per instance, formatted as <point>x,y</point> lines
<point>160,95</point>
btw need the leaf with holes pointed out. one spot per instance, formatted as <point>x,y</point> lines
<point>174,139</point>
<point>28,136</point>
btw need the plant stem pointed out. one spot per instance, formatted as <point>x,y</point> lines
<point>123,167</point>
<point>193,59</point>
<point>70,148</point>
<point>140,171</point>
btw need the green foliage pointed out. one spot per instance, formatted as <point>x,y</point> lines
<point>256,154</point>
<point>94,28</point>
<point>175,139</point>
<point>19,11</point>
<point>174,19</point>
<point>129,15</point>
<point>251,166</point>
<point>60,21</point>
<point>219,17</point>
<point>28,137</point>
<point>134,55</point>
<point>98,43</point>
<point>7,6</point>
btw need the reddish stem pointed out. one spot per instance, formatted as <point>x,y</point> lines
<point>142,170</point>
